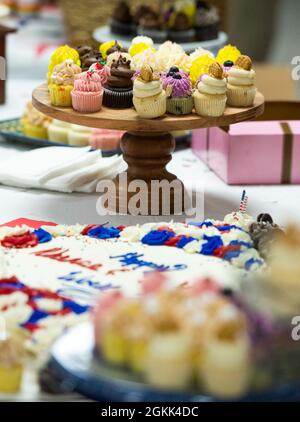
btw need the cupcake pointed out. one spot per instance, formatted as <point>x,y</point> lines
<point>58,131</point>
<point>35,124</point>
<point>179,90</point>
<point>108,46</point>
<point>200,66</point>
<point>206,22</point>
<point>228,53</point>
<point>168,363</point>
<point>226,368</point>
<point>88,56</point>
<point>116,47</point>
<point>241,90</point>
<point>118,89</point>
<point>87,94</point>
<point>172,54</point>
<point>79,136</point>
<point>181,29</point>
<point>121,20</point>
<point>210,94</point>
<point>150,25</point>
<point>149,98</point>
<point>62,81</point>
<point>105,139</point>
<point>11,365</point>
<point>142,39</point>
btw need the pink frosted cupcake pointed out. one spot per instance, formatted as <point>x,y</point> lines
<point>178,87</point>
<point>106,139</point>
<point>87,94</point>
<point>102,70</point>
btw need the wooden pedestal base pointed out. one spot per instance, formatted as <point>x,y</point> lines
<point>147,187</point>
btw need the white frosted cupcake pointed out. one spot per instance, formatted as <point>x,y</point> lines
<point>58,131</point>
<point>79,135</point>
<point>241,90</point>
<point>149,98</point>
<point>210,94</point>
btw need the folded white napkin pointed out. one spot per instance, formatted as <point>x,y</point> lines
<point>62,169</point>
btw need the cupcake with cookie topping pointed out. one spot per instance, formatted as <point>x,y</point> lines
<point>241,89</point>
<point>149,97</point>
<point>178,87</point>
<point>210,94</point>
<point>118,89</point>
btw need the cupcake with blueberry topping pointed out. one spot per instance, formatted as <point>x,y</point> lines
<point>241,89</point>
<point>210,95</point>
<point>118,89</point>
<point>179,90</point>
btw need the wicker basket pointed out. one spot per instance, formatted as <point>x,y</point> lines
<point>82,17</point>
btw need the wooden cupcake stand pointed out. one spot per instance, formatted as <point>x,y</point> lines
<point>147,145</point>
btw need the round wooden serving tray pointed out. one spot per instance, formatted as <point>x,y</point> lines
<point>147,145</point>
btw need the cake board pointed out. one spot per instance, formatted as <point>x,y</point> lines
<point>147,147</point>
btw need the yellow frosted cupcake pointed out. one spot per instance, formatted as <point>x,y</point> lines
<point>11,366</point>
<point>228,53</point>
<point>149,98</point>
<point>241,90</point>
<point>210,94</point>
<point>35,124</point>
<point>62,83</point>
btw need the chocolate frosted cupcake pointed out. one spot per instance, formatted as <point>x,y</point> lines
<point>88,56</point>
<point>181,31</point>
<point>150,25</point>
<point>121,22</point>
<point>118,89</point>
<point>206,21</point>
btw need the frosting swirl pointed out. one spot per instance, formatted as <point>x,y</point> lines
<point>64,73</point>
<point>179,83</point>
<point>101,70</point>
<point>120,74</point>
<point>209,85</point>
<point>88,82</point>
<point>241,77</point>
<point>147,84</point>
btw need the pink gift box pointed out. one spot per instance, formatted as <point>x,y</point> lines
<point>252,152</point>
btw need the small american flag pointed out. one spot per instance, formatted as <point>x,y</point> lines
<point>243,203</point>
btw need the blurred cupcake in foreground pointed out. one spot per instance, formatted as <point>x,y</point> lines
<point>149,98</point>
<point>11,365</point>
<point>87,94</point>
<point>210,95</point>
<point>35,124</point>
<point>241,89</point>
<point>178,88</point>
<point>79,135</point>
<point>62,83</point>
<point>58,131</point>
<point>118,89</point>
<point>105,139</point>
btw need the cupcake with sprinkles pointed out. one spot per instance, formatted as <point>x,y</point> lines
<point>210,94</point>
<point>179,90</point>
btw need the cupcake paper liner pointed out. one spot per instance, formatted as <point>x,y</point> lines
<point>209,105</point>
<point>207,32</point>
<point>60,95</point>
<point>117,99</point>
<point>180,105</point>
<point>121,28</point>
<point>241,97</point>
<point>87,102</point>
<point>151,107</point>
